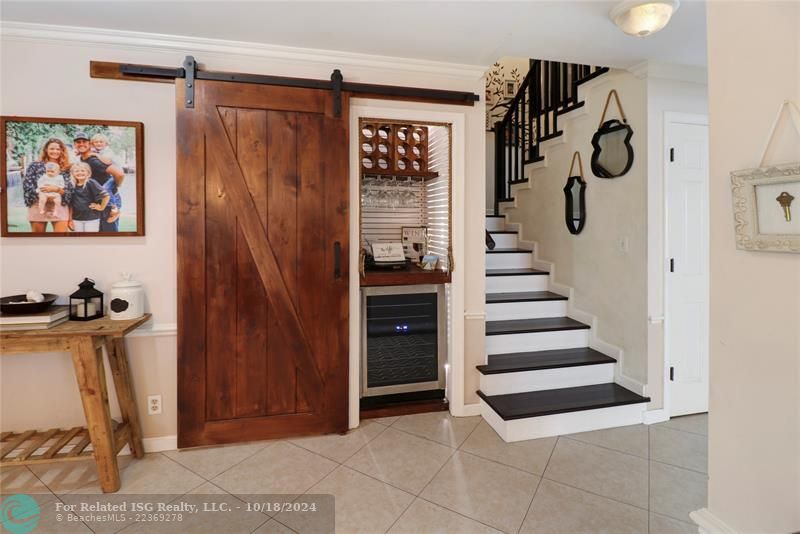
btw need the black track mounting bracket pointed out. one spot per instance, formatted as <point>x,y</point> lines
<point>336,86</point>
<point>190,69</point>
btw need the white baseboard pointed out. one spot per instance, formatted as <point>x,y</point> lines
<point>156,330</point>
<point>708,523</point>
<point>628,382</point>
<point>469,410</point>
<point>655,416</point>
<point>160,444</point>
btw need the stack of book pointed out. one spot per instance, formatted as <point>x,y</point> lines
<point>49,318</point>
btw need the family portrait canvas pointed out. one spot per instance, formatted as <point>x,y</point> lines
<point>72,177</point>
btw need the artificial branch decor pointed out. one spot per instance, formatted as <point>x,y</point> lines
<point>499,84</point>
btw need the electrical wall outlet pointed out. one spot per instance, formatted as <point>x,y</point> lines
<point>153,404</point>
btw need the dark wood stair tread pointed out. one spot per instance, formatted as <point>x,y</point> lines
<point>525,296</point>
<point>503,231</point>
<point>564,400</point>
<point>534,159</point>
<point>542,359</point>
<point>495,216</point>
<point>514,272</point>
<point>509,251</point>
<point>526,326</point>
<point>509,199</point>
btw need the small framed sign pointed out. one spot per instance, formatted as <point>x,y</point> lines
<point>509,88</point>
<point>415,242</point>
<point>384,251</point>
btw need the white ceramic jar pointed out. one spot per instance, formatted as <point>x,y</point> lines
<point>126,299</point>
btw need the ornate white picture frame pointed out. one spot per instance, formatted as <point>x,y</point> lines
<point>777,227</point>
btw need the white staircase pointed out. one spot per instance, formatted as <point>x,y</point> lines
<point>541,378</point>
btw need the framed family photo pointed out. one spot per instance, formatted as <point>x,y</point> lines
<point>71,177</point>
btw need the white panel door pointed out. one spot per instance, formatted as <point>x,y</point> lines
<point>687,283</point>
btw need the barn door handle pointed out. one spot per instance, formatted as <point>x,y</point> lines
<point>337,260</point>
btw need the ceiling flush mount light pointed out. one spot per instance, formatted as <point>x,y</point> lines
<point>643,17</point>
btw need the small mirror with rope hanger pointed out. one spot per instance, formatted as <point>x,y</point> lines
<point>613,153</point>
<point>575,197</point>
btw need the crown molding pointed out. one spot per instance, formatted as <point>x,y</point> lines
<point>25,31</point>
<point>670,71</point>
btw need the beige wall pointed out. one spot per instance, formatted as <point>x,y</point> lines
<point>56,265</point>
<point>754,426</point>
<point>609,282</point>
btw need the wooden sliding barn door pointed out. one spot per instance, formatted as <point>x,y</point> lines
<point>262,220</point>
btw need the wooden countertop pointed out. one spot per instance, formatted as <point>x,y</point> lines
<point>98,327</point>
<point>411,275</point>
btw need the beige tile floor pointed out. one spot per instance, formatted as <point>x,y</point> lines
<point>419,474</point>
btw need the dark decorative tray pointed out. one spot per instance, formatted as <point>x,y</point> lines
<point>7,307</point>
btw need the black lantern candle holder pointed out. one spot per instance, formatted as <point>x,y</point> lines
<point>86,303</point>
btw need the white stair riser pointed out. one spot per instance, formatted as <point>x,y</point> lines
<point>515,284</point>
<point>505,240</point>
<point>495,223</point>
<point>511,260</point>
<point>530,342</point>
<point>562,423</point>
<point>563,377</point>
<point>502,311</point>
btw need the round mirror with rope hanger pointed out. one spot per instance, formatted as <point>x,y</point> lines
<point>575,198</point>
<point>613,153</point>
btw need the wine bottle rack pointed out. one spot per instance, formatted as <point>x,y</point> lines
<point>394,149</point>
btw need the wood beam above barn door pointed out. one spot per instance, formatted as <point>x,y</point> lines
<point>190,72</point>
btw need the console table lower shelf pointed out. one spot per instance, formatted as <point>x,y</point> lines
<point>102,438</point>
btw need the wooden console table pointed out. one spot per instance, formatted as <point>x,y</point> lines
<point>85,341</point>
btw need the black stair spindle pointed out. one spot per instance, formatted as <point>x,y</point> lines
<point>546,98</point>
<point>524,141</point>
<point>574,85</point>
<point>531,113</point>
<point>537,95</point>
<point>554,94</point>
<point>499,164</point>
<point>516,148</point>
<point>509,140</point>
